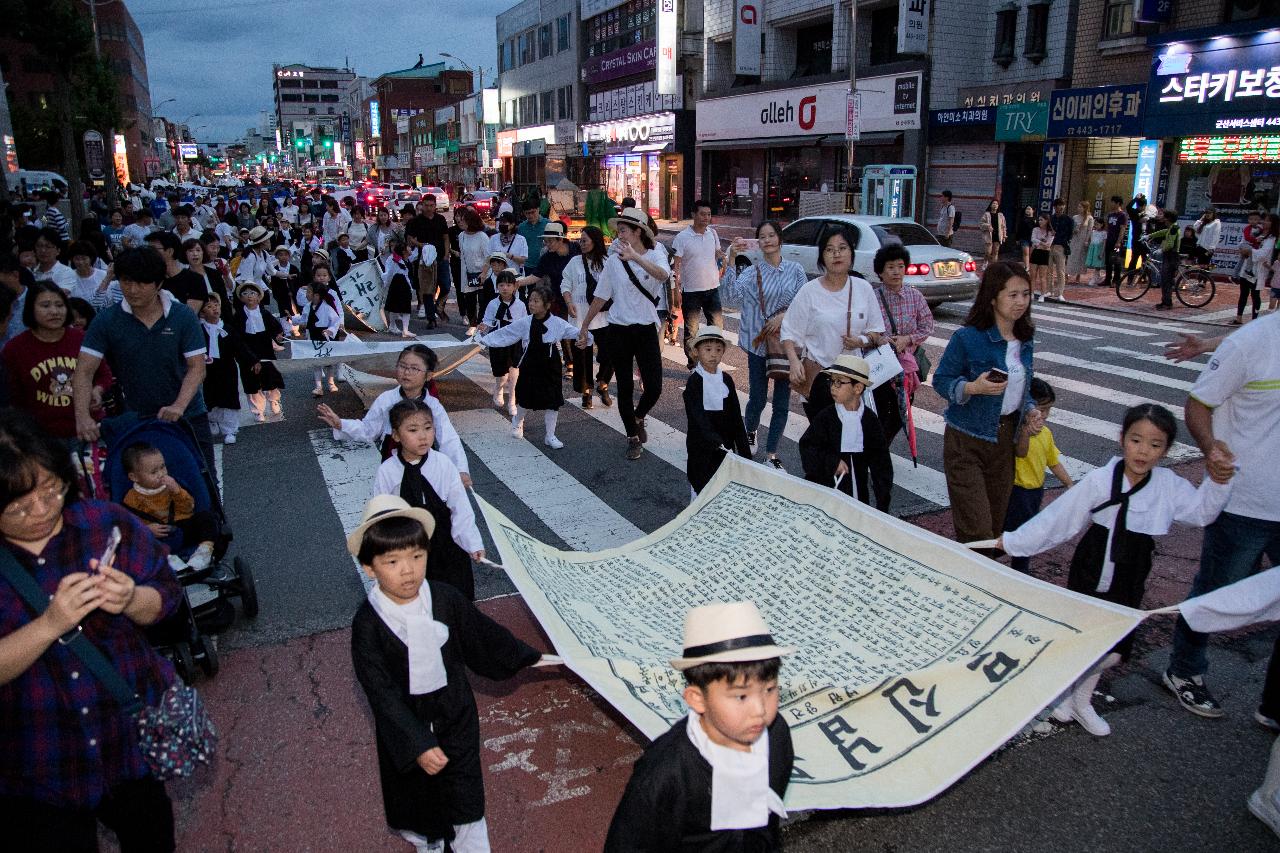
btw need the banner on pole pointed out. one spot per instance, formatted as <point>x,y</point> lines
<point>365,294</point>
<point>916,657</point>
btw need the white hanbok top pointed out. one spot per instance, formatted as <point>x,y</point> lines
<point>438,470</point>
<point>558,329</point>
<point>377,423</point>
<point>574,283</point>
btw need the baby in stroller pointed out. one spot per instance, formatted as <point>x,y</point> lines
<point>167,508</point>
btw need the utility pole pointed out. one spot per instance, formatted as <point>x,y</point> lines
<point>853,93</point>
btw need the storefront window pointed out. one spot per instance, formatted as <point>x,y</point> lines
<point>630,24</point>
<point>813,50</point>
<point>791,170</point>
<point>730,178</point>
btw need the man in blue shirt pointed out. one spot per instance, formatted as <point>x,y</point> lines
<point>154,345</point>
<point>531,229</point>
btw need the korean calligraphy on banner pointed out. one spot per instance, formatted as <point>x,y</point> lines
<point>1102,111</point>
<point>364,294</point>
<point>668,35</point>
<point>916,658</point>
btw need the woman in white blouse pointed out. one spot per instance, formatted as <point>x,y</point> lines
<point>1079,241</point>
<point>473,247</point>
<point>833,314</point>
<point>634,278</point>
<point>335,221</point>
<point>358,234</point>
<point>581,277</point>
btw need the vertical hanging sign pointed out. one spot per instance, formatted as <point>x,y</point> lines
<point>746,37</point>
<point>913,26</point>
<point>667,38</point>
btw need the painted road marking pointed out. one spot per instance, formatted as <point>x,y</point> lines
<point>348,468</point>
<point>1110,318</point>
<point>1114,370</point>
<point>1154,359</point>
<point>1039,328</point>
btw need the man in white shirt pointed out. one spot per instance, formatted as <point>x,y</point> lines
<point>183,229</point>
<point>206,215</point>
<point>1233,408</point>
<point>135,233</point>
<point>697,274</point>
<point>946,219</point>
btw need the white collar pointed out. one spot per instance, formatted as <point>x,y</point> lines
<point>166,302</point>
<point>137,487</point>
<point>740,794</point>
<point>714,389</point>
<point>416,627</point>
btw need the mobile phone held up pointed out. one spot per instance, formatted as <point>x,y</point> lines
<point>109,553</point>
<point>995,374</point>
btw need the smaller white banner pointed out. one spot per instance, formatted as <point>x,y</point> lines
<point>364,294</point>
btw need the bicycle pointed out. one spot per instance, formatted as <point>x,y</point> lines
<point>1193,285</point>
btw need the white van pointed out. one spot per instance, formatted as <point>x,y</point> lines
<point>36,180</point>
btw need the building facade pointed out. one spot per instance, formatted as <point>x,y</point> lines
<point>397,96</point>
<point>308,111</point>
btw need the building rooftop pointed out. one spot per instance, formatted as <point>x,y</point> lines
<point>425,72</point>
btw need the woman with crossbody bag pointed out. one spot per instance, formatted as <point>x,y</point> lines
<point>764,290</point>
<point>75,665</point>
<point>910,323</point>
<point>578,286</point>
<point>832,314</point>
<point>633,278</point>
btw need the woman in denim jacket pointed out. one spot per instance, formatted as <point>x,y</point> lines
<point>984,411</point>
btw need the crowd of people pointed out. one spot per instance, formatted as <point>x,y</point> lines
<point>172,316</point>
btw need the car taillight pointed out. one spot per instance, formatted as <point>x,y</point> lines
<point>917,269</point>
<point>970,266</point>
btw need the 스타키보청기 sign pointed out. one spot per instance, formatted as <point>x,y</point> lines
<point>916,658</point>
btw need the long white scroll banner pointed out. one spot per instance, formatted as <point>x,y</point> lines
<point>917,658</point>
<point>378,355</point>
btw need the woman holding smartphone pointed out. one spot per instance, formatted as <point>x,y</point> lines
<point>984,375</point>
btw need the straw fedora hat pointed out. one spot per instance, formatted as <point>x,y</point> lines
<point>250,284</point>
<point>320,255</point>
<point>727,633</point>
<point>258,235</point>
<point>708,333</point>
<point>382,507</point>
<point>634,217</point>
<point>500,256</point>
<point>554,230</point>
<point>851,366</point>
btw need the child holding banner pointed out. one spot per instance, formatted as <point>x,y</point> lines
<point>716,779</point>
<point>499,313</point>
<point>1122,506</point>
<point>429,479</point>
<point>412,642</point>
<point>322,321</point>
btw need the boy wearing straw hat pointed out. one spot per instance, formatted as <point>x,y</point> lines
<point>412,642</point>
<point>715,781</point>
<point>844,444</point>
<point>712,409</point>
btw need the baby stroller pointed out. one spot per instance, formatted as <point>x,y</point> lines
<point>206,608</point>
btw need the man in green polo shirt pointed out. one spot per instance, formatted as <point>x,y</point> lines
<point>531,228</point>
<point>154,345</point>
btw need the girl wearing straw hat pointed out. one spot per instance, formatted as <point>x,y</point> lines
<point>845,442</point>
<point>633,279</point>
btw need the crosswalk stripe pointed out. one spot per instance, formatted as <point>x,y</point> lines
<point>1039,330</point>
<point>1179,452</point>
<point>1154,359</point>
<point>581,519</point>
<point>1101,392</point>
<point>1114,370</point>
<point>348,469</point>
<point>1109,318</point>
<point>1040,318</point>
<point>935,423</point>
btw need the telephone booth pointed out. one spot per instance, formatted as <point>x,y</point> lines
<point>889,190</point>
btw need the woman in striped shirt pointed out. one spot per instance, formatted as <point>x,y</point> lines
<point>764,289</point>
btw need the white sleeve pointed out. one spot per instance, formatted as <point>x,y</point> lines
<point>463,529</point>
<point>573,276</point>
<point>491,313</point>
<point>520,247</point>
<point>447,436</point>
<point>679,244</point>
<point>506,336</point>
<point>384,482</point>
<point>1065,518</point>
<point>1227,373</point>
<point>1198,506</point>
<point>875,317</point>
<point>370,428</point>
<point>795,322</point>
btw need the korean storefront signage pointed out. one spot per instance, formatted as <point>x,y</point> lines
<point>375,119</point>
<point>636,100</point>
<point>853,129</point>
<point>1153,11</point>
<point>1101,111</point>
<point>995,96</point>
<point>621,63</point>
<point>1144,174</point>
<point>746,36</point>
<point>962,118</point>
<point>1227,83</point>
<point>1050,176</point>
<point>913,26</point>
<point>1022,122</point>
<point>506,141</point>
<point>95,155</point>
<point>1230,149</point>
<point>651,130</point>
<point>889,103</point>
<point>668,35</point>
<point>188,151</point>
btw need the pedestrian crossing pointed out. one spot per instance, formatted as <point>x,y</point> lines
<point>1093,394</point>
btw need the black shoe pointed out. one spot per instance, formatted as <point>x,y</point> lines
<point>643,433</point>
<point>776,463</point>
<point>586,401</point>
<point>1163,307</point>
<point>431,324</point>
<point>1193,695</point>
<point>751,438</point>
<point>635,449</point>
<point>603,391</point>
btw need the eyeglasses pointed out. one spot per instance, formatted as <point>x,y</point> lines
<point>46,497</point>
<point>840,383</point>
<point>836,250</point>
<point>410,369</point>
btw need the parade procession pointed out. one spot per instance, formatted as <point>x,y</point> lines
<point>640,426</point>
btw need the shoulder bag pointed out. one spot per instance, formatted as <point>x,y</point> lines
<point>631,274</point>
<point>775,355</point>
<point>811,367</point>
<point>922,357</point>
<point>591,287</point>
<point>175,735</point>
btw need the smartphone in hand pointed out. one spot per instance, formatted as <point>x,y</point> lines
<point>109,553</point>
<point>995,374</point>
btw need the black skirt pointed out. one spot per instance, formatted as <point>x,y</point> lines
<point>1128,583</point>
<point>399,296</point>
<point>541,373</point>
<point>1040,256</point>
<point>502,359</point>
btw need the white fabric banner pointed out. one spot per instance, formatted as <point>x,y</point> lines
<point>364,294</point>
<point>917,658</point>
<point>325,353</point>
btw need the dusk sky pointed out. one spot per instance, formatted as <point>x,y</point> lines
<point>216,59</point>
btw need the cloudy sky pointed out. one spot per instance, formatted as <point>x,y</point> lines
<point>215,58</point>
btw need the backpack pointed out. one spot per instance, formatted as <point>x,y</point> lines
<point>955,221</point>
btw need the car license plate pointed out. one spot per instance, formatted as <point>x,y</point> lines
<point>946,269</point>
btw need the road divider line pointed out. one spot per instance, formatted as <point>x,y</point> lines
<point>1153,358</point>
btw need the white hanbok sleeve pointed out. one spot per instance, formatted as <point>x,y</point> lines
<point>1068,516</point>
<point>1198,506</point>
<point>447,436</point>
<point>464,530</point>
<point>490,313</point>
<point>386,482</point>
<point>516,332</point>
<point>373,426</point>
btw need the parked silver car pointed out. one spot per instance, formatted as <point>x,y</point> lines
<point>941,274</point>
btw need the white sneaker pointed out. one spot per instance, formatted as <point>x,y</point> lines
<point>333,385</point>
<point>1089,719</point>
<point>1063,298</point>
<point>319,390</point>
<point>554,443</point>
<point>199,561</point>
<point>275,406</point>
<point>1264,809</point>
<point>260,417</point>
<point>517,432</point>
<point>229,438</point>
<point>422,313</point>
<point>498,399</point>
<point>177,564</point>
